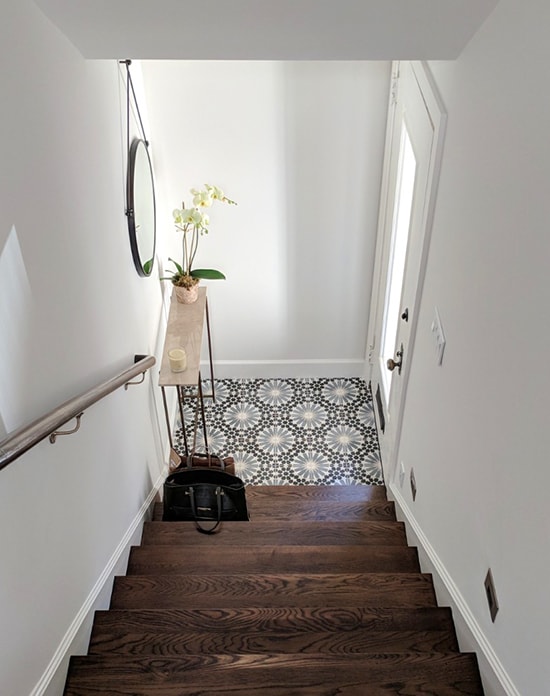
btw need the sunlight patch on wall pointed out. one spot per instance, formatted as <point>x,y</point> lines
<point>15,345</point>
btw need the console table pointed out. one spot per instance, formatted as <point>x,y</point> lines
<point>185,330</point>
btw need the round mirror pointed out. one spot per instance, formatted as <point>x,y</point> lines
<point>140,207</point>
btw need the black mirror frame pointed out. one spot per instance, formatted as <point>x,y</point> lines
<point>144,268</point>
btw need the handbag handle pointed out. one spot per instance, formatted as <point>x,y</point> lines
<point>208,456</point>
<point>212,530</point>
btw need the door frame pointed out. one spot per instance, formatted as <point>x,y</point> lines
<point>438,117</point>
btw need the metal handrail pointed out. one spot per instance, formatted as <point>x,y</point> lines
<point>22,439</point>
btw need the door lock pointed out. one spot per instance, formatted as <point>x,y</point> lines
<point>392,364</point>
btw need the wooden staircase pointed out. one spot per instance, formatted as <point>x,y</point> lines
<point>318,594</point>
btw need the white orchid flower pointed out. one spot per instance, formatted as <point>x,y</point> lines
<point>196,217</point>
<point>177,213</point>
<point>215,192</point>
<point>201,199</point>
<point>218,195</point>
<point>188,216</point>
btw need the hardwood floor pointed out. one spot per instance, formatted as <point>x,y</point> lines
<point>318,594</point>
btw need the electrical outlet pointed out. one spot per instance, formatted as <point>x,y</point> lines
<point>491,595</point>
<point>413,485</point>
<point>401,474</point>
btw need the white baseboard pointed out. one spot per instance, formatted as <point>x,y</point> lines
<point>75,640</point>
<point>272,369</point>
<point>496,681</point>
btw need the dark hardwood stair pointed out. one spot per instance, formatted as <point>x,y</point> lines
<point>284,532</point>
<point>334,630</point>
<point>273,590</point>
<point>318,594</point>
<point>182,560</point>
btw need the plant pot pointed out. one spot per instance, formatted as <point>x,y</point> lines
<point>187,295</point>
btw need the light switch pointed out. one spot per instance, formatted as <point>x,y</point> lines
<point>439,337</point>
<point>401,474</point>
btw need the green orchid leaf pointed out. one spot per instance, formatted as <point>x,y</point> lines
<point>207,274</point>
<point>176,264</point>
<point>148,266</point>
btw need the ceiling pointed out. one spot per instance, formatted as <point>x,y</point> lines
<point>269,29</point>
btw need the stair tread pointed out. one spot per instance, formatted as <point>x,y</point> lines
<point>190,666</point>
<point>311,509</point>
<point>330,642</point>
<point>273,590</point>
<point>456,670</point>
<point>278,531</point>
<point>220,619</point>
<point>338,631</point>
<point>152,560</point>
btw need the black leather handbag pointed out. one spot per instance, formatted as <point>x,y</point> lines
<point>202,495</point>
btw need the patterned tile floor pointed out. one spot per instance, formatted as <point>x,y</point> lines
<point>292,431</point>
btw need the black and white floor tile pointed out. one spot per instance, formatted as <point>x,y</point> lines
<point>292,431</point>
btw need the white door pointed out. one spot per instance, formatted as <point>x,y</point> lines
<point>414,140</point>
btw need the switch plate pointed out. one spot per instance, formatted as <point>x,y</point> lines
<point>413,485</point>
<point>491,594</point>
<point>439,337</point>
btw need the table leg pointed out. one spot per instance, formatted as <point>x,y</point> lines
<point>210,352</point>
<point>180,402</point>
<point>203,415</point>
<point>166,415</point>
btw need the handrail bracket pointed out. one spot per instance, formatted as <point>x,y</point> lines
<point>139,381</point>
<point>54,435</point>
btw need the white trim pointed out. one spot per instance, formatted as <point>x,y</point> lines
<point>374,319</point>
<point>269,369</point>
<point>62,651</point>
<point>478,637</point>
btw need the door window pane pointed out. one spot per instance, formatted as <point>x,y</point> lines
<point>398,252</point>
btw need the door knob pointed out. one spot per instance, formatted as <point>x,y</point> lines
<point>392,364</point>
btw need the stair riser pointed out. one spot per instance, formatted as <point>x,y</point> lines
<point>313,495</point>
<point>343,686</point>
<point>269,532</point>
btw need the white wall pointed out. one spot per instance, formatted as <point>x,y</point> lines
<point>475,429</point>
<point>73,312</point>
<point>299,146</point>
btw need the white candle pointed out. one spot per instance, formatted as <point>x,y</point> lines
<point>178,359</point>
